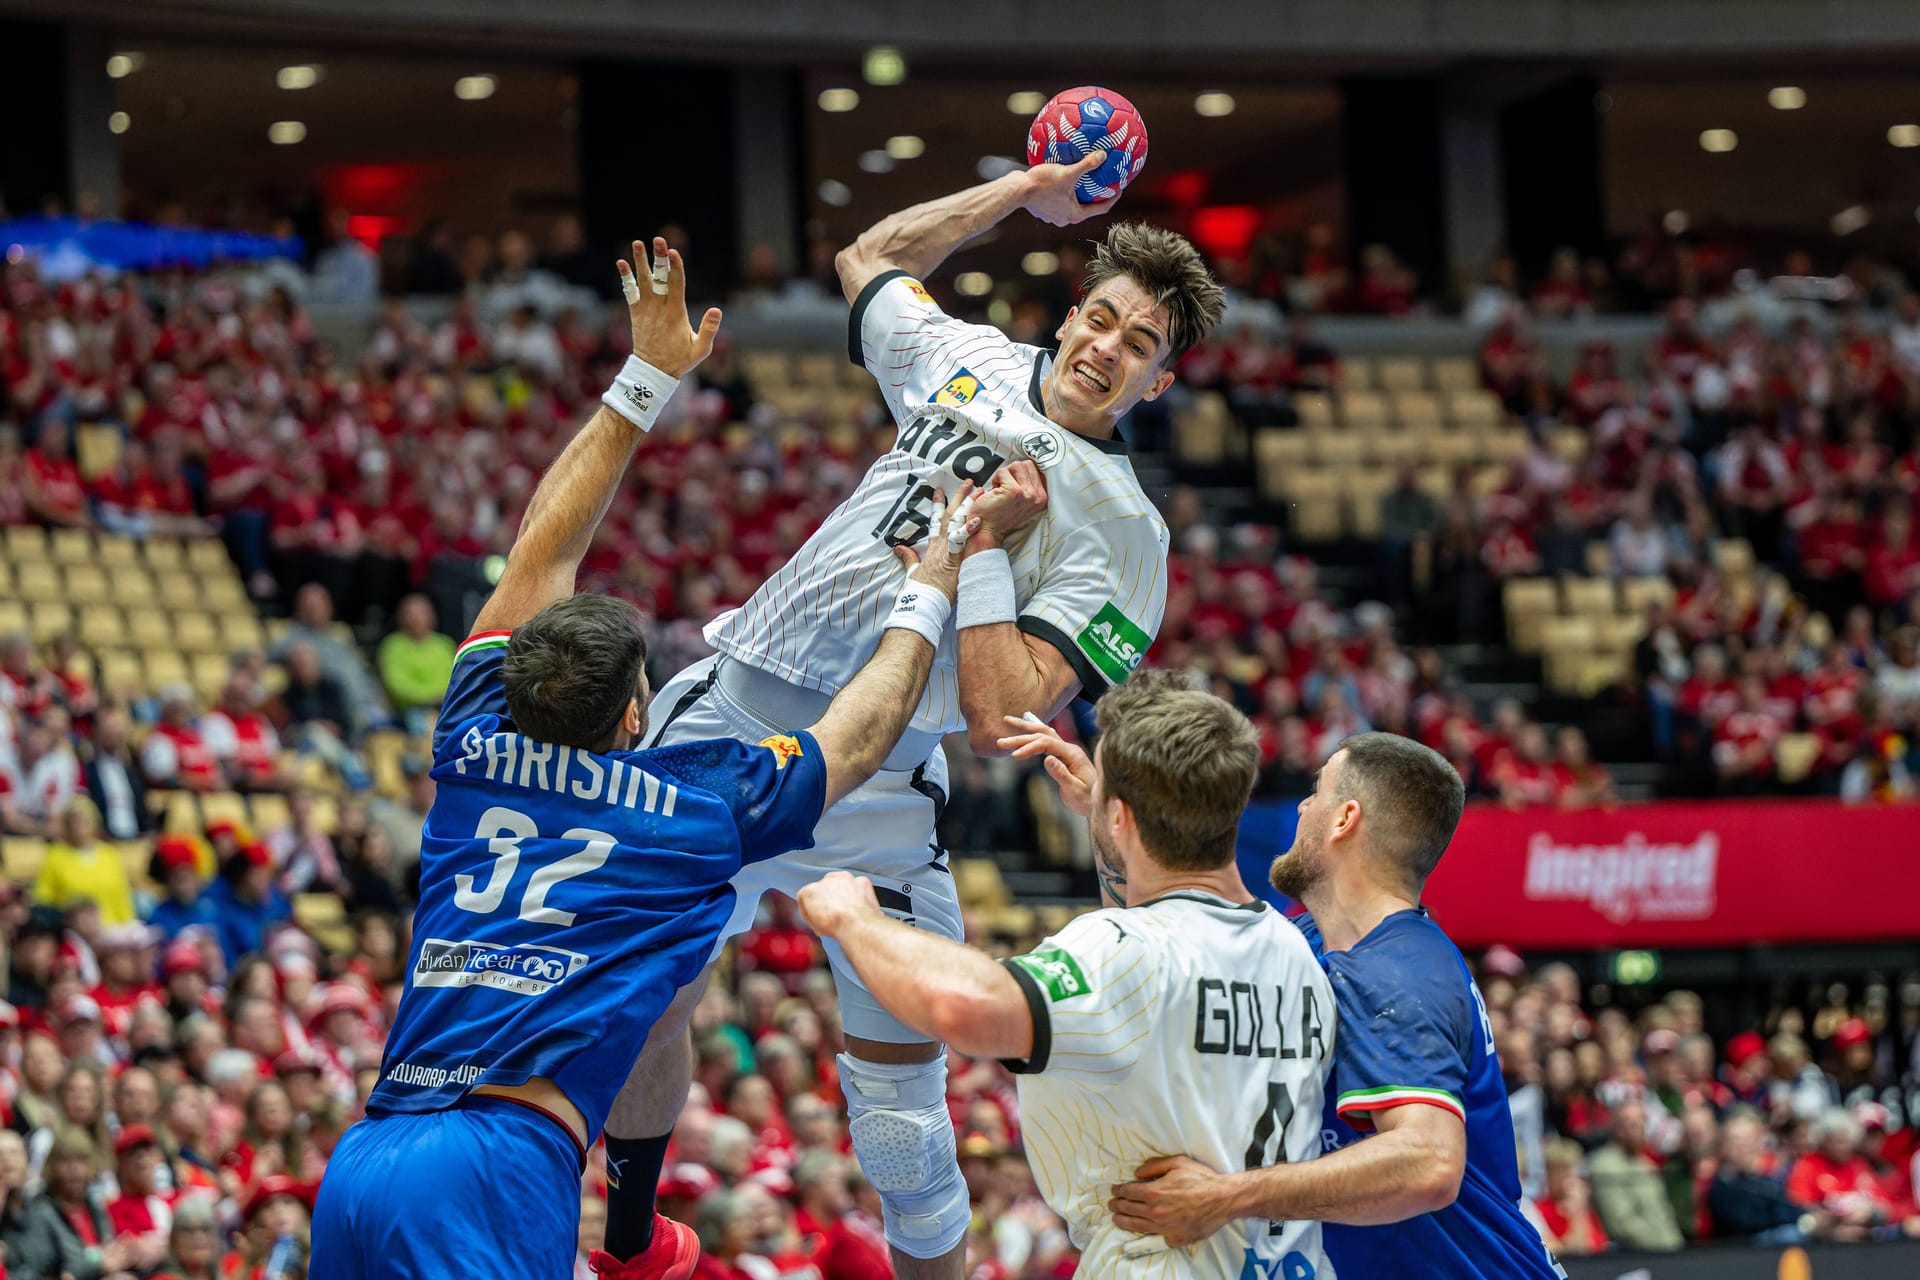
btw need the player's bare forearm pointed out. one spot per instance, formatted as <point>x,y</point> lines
<point>945,990</point>
<point>919,239</point>
<point>866,718</point>
<point>565,509</point>
<point>1005,672</point>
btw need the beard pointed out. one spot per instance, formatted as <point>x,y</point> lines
<point>1299,869</point>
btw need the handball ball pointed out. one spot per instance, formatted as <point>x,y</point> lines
<point>1091,119</point>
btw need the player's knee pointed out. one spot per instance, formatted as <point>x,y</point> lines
<point>903,1137</point>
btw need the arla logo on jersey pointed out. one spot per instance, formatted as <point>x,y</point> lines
<point>525,969</point>
<point>1114,643</point>
<point>1042,446</point>
<point>1635,879</point>
<point>1057,971</point>
<point>784,747</point>
<point>918,290</point>
<point>961,388</point>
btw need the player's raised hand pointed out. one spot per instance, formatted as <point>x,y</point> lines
<point>1176,1198</point>
<point>938,565</point>
<point>836,901</point>
<point>1014,498</point>
<point>1050,191</point>
<point>657,309</point>
<point>1069,767</point>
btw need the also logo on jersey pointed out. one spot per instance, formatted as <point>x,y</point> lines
<point>1042,446</point>
<point>961,388</point>
<point>1057,971</point>
<point>918,290</point>
<point>525,969</point>
<point>1114,643</point>
<point>784,747</point>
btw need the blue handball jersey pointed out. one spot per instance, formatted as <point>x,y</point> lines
<point>565,895</point>
<point>1414,1031</point>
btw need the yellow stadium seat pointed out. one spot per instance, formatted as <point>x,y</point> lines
<point>1315,517</point>
<point>1394,449</point>
<point>270,811</point>
<point>178,810</point>
<point>1529,603</point>
<point>978,883</point>
<point>1638,593</point>
<point>1200,437</point>
<point>164,553</point>
<point>766,368</point>
<point>1280,447</point>
<point>1733,557</point>
<point>241,630</point>
<point>137,857</point>
<point>26,542</point>
<point>224,806</point>
<point>326,814</point>
<point>198,632</point>
<point>1794,756</point>
<point>1451,448</point>
<point>1569,444</point>
<point>222,591</point>
<point>1591,596</point>
<point>318,910</point>
<point>1315,408</point>
<point>13,616</point>
<point>1291,484</point>
<point>96,448</point>
<point>1503,444</point>
<point>114,550</point>
<point>1599,558</point>
<point>1358,373</point>
<point>165,667</point>
<point>1474,407</point>
<point>1364,410</point>
<point>1364,489</point>
<point>49,620</point>
<point>1340,448</point>
<point>1417,410</point>
<point>85,584</point>
<point>1402,373</point>
<point>177,588</point>
<point>21,857</point>
<point>1574,632</point>
<point>101,627</point>
<point>1456,373</point>
<point>71,546</point>
<point>1620,634</point>
<point>120,674</point>
<point>36,580</point>
<point>132,586</point>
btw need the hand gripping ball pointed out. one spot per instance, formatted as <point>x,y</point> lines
<point>1090,118</point>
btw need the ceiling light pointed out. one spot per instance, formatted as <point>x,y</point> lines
<point>301,76</point>
<point>284,133</point>
<point>884,66</point>
<point>974,284</point>
<point>1040,263</point>
<point>1214,105</point>
<point>1718,140</point>
<point>1000,312</point>
<point>1787,97</point>
<point>838,194</point>
<point>839,99</point>
<point>119,122</point>
<point>121,65</point>
<point>1904,135</point>
<point>875,162</point>
<point>904,146</point>
<point>1850,220</point>
<point>1676,222</point>
<point>991,167</point>
<point>474,88</point>
<point>1027,102</point>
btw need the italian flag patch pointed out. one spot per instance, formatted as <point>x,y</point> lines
<point>1359,1102</point>
<point>482,641</point>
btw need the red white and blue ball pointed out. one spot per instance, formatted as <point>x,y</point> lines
<point>1086,119</point>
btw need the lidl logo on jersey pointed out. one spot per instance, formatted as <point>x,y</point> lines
<point>961,388</point>
<point>784,747</point>
<point>1057,971</point>
<point>525,970</point>
<point>1114,643</point>
<point>918,290</point>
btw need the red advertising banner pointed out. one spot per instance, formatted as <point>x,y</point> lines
<point>1681,875</point>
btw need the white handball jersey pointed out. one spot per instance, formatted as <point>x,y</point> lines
<point>1183,1026</point>
<point>1090,575</point>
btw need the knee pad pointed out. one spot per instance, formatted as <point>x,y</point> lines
<point>903,1137</point>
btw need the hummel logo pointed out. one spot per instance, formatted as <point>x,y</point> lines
<point>638,396</point>
<point>908,600</point>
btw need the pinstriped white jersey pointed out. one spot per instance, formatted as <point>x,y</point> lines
<point>1183,1026</point>
<point>1089,575</point>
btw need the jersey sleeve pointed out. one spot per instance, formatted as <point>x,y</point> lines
<point>1405,1023</point>
<point>1101,599</point>
<point>1091,991</point>
<point>775,789</point>
<point>475,689</point>
<point>912,347</point>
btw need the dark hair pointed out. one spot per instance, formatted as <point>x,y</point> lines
<point>570,672</point>
<point>1167,266</point>
<point>1410,795</point>
<point>1184,761</point>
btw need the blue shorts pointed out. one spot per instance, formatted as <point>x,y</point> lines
<point>488,1189</point>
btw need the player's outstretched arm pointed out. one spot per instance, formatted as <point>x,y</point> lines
<point>864,721</point>
<point>574,495</point>
<point>1412,1166</point>
<point>919,239</point>
<point>945,990</point>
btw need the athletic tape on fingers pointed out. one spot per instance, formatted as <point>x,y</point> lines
<point>662,270</point>
<point>630,287</point>
<point>957,531</point>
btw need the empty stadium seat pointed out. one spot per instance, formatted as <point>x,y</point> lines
<point>1315,517</point>
<point>163,553</point>
<point>1364,410</point>
<point>1402,373</point>
<point>26,543</point>
<point>71,546</point>
<point>1315,408</point>
<point>1592,596</point>
<point>36,580</point>
<point>1456,373</point>
<point>131,585</point>
<point>50,619</point>
<point>1529,603</point>
<point>1474,407</point>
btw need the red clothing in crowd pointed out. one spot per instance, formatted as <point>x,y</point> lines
<point>1584,1229</point>
<point>849,1248</point>
<point>1817,1181</point>
<point>139,1215</point>
<point>57,481</point>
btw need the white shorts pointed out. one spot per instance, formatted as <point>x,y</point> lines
<point>883,830</point>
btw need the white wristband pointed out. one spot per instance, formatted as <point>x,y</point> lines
<point>922,610</point>
<point>986,591</point>
<point>639,392</point>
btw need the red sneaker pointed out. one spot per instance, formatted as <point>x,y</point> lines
<point>670,1257</point>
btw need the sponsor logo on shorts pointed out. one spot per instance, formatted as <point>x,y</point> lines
<point>784,747</point>
<point>1114,643</point>
<point>1057,971</point>
<point>961,388</point>
<point>524,970</point>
